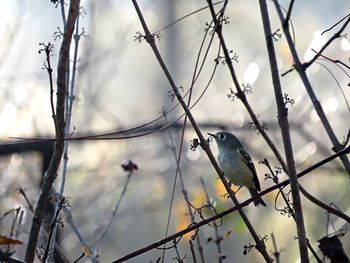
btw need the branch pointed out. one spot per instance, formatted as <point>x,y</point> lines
<point>289,13</point>
<point>287,142</point>
<point>40,209</point>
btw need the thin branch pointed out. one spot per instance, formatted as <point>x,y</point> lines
<point>341,20</point>
<point>218,238</point>
<point>289,13</point>
<point>117,205</point>
<point>47,48</point>
<point>116,135</point>
<point>336,61</point>
<point>276,252</point>
<point>184,17</point>
<point>82,241</point>
<point>335,36</point>
<point>338,84</point>
<point>58,249</point>
<point>178,158</point>
<point>192,251</point>
<point>40,209</point>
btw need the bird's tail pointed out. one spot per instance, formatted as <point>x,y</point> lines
<point>258,201</point>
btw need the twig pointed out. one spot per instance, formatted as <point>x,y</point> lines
<point>50,242</point>
<point>30,206</point>
<point>276,252</point>
<point>70,221</point>
<point>336,61</point>
<point>178,158</point>
<point>289,13</point>
<point>184,17</point>
<point>192,251</point>
<point>47,48</point>
<point>218,238</point>
<point>40,209</point>
<point>287,142</point>
<point>341,20</point>
<point>231,210</point>
<point>58,249</point>
<point>338,84</point>
<point>69,104</point>
<point>330,40</point>
<point>116,207</point>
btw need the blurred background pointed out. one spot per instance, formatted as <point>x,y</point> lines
<point>120,85</point>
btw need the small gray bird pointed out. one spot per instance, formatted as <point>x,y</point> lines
<point>236,164</point>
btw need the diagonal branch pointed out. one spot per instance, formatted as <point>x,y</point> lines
<point>204,143</point>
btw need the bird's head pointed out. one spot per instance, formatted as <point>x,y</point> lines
<point>226,140</point>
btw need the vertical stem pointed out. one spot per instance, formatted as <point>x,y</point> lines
<point>40,209</point>
<point>218,238</point>
<point>287,142</point>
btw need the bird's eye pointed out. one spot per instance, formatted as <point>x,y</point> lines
<point>222,136</point>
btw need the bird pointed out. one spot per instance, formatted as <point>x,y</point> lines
<point>237,164</point>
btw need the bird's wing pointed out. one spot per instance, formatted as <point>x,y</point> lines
<point>248,160</point>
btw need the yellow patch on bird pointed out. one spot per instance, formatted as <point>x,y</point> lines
<point>221,190</point>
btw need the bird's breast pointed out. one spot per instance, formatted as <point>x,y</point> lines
<point>235,169</point>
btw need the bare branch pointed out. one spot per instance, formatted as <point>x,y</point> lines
<point>287,142</point>
<point>40,209</point>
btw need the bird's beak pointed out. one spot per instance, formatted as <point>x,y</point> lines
<point>213,135</point>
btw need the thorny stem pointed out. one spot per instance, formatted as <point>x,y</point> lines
<point>204,143</point>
